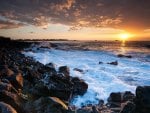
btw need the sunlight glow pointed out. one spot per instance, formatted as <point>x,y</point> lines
<point>124,36</point>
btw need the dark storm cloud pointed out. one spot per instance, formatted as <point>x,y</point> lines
<point>79,13</point>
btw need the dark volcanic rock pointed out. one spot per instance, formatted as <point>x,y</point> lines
<point>124,56</point>
<point>115,99</point>
<point>60,87</point>
<point>6,108</point>
<point>12,99</point>
<point>46,105</point>
<point>79,87</point>
<point>16,81</point>
<point>65,70</point>
<point>113,63</point>
<point>128,107</point>
<point>39,90</point>
<point>142,100</point>
<point>79,70</point>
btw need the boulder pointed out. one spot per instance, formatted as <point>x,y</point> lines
<point>142,99</point>
<point>39,90</point>
<point>115,97</point>
<point>46,105</point>
<point>79,86</point>
<point>79,70</point>
<point>128,107</point>
<point>60,87</point>
<point>84,110</point>
<point>51,68</point>
<point>65,70</point>
<point>6,108</point>
<point>127,96</point>
<point>5,71</point>
<point>16,81</point>
<point>113,63</point>
<point>124,56</point>
<point>12,99</point>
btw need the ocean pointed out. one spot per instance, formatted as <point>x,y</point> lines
<point>92,57</point>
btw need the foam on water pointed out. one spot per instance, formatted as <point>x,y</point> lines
<point>103,78</point>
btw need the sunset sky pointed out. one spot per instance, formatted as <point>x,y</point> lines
<point>75,19</point>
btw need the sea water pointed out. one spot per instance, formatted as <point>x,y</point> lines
<point>102,78</point>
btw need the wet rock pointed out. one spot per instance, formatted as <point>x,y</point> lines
<point>51,67</point>
<point>5,71</point>
<point>79,86</point>
<point>84,110</point>
<point>12,99</point>
<point>39,90</point>
<point>6,108</point>
<point>5,85</point>
<point>94,109</point>
<point>113,63</point>
<point>79,70</point>
<point>32,76</point>
<point>65,70</point>
<point>16,81</point>
<point>60,87</point>
<point>127,96</point>
<point>100,62</point>
<point>128,107</point>
<point>142,100</point>
<point>124,56</point>
<point>101,103</point>
<point>115,97</point>
<point>47,105</point>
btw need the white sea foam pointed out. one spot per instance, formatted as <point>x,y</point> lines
<point>103,78</point>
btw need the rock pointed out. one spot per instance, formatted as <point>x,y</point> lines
<point>16,81</point>
<point>94,109</point>
<point>128,107</point>
<point>125,56</point>
<point>100,62</point>
<point>142,100</point>
<point>60,87</point>
<point>51,67</point>
<point>79,70</point>
<point>101,103</point>
<point>113,63</point>
<point>127,96</point>
<point>65,70</point>
<point>32,76</point>
<point>39,90</point>
<point>12,99</point>
<point>5,71</point>
<point>115,97</point>
<point>6,108</point>
<point>84,110</point>
<point>46,105</point>
<point>5,85</point>
<point>79,87</point>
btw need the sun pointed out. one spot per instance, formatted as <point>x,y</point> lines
<point>124,36</point>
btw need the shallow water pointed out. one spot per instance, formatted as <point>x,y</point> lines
<point>102,78</point>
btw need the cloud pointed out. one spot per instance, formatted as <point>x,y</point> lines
<point>9,25</point>
<point>122,14</point>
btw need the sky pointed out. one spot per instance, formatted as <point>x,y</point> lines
<point>75,19</point>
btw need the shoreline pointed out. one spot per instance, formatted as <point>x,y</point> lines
<point>21,82</point>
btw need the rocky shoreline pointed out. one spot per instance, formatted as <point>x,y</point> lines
<point>27,86</point>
